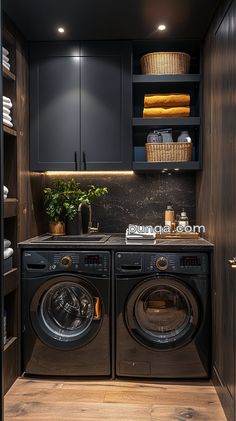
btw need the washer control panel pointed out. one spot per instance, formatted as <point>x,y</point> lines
<point>183,263</point>
<point>95,262</point>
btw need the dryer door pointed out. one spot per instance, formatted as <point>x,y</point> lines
<point>66,312</point>
<point>162,313</point>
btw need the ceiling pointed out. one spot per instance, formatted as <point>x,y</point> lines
<point>110,19</point>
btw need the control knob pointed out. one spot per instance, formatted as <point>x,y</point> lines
<point>66,261</point>
<point>162,263</point>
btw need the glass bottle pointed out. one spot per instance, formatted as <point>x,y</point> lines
<point>183,219</point>
<point>184,137</point>
<point>154,136</point>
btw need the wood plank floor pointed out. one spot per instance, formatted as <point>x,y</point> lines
<point>48,400</point>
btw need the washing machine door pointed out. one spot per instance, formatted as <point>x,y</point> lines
<point>162,313</point>
<point>66,312</point>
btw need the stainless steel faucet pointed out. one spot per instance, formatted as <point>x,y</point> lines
<point>91,229</point>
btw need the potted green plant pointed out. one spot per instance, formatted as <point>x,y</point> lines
<point>61,202</point>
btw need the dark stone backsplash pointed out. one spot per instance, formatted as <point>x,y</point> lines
<point>139,198</point>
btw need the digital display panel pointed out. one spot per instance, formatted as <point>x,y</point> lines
<point>190,261</point>
<point>93,259</point>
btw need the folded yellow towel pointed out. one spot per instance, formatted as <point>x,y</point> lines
<point>166,112</point>
<point>166,100</point>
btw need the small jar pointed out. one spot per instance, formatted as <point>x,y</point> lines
<point>154,136</point>
<point>183,219</point>
<point>184,137</point>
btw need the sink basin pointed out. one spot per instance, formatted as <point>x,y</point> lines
<point>77,239</point>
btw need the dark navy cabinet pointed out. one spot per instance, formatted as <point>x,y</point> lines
<point>54,107</point>
<point>106,136</point>
<point>80,114</point>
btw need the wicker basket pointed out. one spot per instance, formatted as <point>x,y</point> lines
<point>164,152</point>
<point>165,63</point>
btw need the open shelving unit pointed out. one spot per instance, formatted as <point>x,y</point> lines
<point>180,83</point>
<point>185,79</point>
<point>9,131</point>
<point>10,281</point>
<point>166,122</point>
<point>10,208</point>
<point>10,278</point>
<point>7,74</point>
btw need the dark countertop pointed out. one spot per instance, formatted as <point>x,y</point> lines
<point>118,242</point>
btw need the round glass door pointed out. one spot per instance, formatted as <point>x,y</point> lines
<point>66,310</point>
<point>162,313</point>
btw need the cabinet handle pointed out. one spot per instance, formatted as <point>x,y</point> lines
<point>84,161</point>
<point>76,162</point>
<point>232,262</point>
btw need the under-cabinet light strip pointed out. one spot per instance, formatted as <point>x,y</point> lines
<point>89,173</point>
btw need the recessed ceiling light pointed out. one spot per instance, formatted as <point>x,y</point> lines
<point>61,30</point>
<point>161,27</point>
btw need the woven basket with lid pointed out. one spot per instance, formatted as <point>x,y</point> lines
<point>161,63</point>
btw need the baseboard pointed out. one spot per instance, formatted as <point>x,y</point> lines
<point>224,395</point>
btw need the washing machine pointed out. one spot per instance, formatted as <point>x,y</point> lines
<point>163,315</point>
<point>66,313</point>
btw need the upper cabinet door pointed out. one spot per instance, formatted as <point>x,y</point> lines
<point>106,106</point>
<point>54,107</point>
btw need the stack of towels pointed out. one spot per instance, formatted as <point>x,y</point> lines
<point>8,251</point>
<point>7,105</point>
<point>5,58</point>
<point>5,192</point>
<point>166,105</point>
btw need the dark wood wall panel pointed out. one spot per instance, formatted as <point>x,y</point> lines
<point>216,191</point>
<point>30,220</point>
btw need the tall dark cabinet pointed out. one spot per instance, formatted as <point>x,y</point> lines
<point>80,106</point>
<point>216,197</point>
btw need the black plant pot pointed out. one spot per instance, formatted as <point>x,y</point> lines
<point>84,219</point>
<point>73,227</point>
<point>79,225</point>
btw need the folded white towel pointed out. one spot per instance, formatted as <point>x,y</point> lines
<point>6,110</point>
<point>8,67</point>
<point>8,253</point>
<point>6,105</point>
<point>7,102</point>
<point>7,243</point>
<point>4,196</point>
<point>139,235</point>
<point>7,123</point>
<point>5,190</point>
<point>5,64</point>
<point>6,99</point>
<point>5,51</point>
<point>5,58</point>
<point>7,117</point>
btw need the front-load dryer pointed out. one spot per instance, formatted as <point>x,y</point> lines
<point>66,313</point>
<point>162,315</point>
